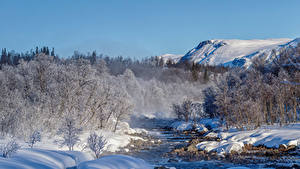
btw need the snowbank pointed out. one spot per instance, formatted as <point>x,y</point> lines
<point>220,147</point>
<point>267,136</point>
<point>115,162</point>
<point>115,140</point>
<point>46,159</point>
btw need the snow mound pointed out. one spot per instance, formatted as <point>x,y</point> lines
<point>221,147</point>
<point>115,162</point>
<point>46,159</point>
<point>212,134</point>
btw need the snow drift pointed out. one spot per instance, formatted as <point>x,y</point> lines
<point>115,162</point>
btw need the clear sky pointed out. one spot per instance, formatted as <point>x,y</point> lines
<point>140,28</point>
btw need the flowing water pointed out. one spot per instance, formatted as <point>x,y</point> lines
<point>156,155</point>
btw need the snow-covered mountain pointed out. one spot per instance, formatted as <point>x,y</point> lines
<point>233,52</point>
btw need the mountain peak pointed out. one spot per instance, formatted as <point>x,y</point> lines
<point>231,51</point>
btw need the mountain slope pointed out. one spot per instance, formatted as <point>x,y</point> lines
<point>233,52</point>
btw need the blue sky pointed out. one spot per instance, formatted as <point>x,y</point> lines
<point>140,28</point>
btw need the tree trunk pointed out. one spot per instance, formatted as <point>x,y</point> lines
<point>117,121</point>
<point>295,109</point>
<point>271,112</point>
<point>265,111</point>
<point>281,108</point>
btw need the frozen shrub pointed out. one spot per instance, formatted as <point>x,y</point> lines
<point>9,148</point>
<point>96,144</point>
<point>69,132</point>
<point>34,138</point>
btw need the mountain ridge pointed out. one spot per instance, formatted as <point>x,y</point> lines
<point>233,52</point>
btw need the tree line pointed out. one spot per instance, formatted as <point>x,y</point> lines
<point>41,89</point>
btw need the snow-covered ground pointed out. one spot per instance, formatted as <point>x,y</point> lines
<point>48,159</point>
<point>115,162</point>
<point>115,140</point>
<point>269,136</point>
<point>47,154</point>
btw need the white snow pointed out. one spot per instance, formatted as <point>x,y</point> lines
<point>269,136</point>
<point>47,154</point>
<point>200,126</point>
<point>115,140</point>
<point>38,158</point>
<point>48,159</point>
<point>115,162</point>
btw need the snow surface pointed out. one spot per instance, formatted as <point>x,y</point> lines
<point>115,140</point>
<point>233,52</point>
<point>269,136</point>
<point>115,162</point>
<point>46,159</point>
<point>48,155</point>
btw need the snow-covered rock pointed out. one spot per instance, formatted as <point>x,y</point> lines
<point>221,147</point>
<point>114,162</point>
<point>269,136</point>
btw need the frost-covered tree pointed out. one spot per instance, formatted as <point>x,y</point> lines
<point>69,132</point>
<point>9,148</point>
<point>34,138</point>
<point>96,143</point>
<point>209,105</point>
<point>122,110</point>
<point>189,110</point>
